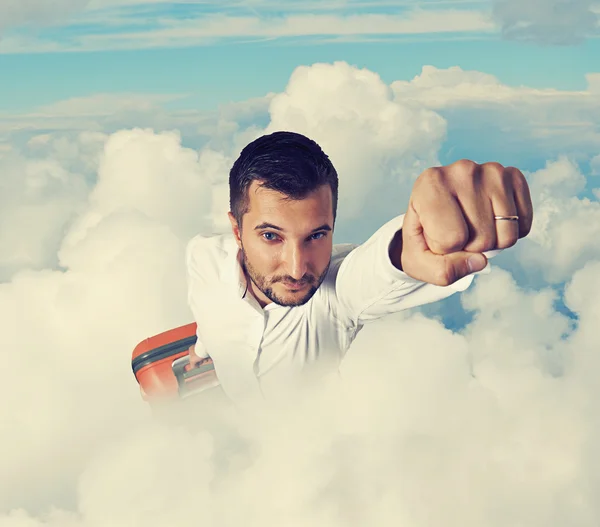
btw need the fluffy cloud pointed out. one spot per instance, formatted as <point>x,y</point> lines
<point>566,230</point>
<point>525,123</point>
<point>121,260</point>
<point>375,143</point>
<point>546,21</point>
<point>150,174</point>
<point>42,193</point>
<point>426,422</point>
<point>66,120</point>
<point>453,86</point>
<point>495,425</point>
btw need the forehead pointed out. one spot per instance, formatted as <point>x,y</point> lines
<point>270,205</point>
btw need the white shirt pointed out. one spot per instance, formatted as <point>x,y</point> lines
<point>260,352</point>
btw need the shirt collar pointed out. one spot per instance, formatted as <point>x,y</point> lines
<point>231,272</point>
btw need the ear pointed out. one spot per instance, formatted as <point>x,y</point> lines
<point>235,229</point>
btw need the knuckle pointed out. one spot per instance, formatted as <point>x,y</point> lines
<point>466,165</point>
<point>505,243</point>
<point>466,175</point>
<point>519,182</point>
<point>482,242</point>
<point>496,177</point>
<point>434,175</point>
<point>451,241</point>
<point>457,240</point>
<point>493,167</point>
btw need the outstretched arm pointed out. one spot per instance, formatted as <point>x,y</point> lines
<point>422,256</point>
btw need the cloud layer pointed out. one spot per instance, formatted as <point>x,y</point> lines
<point>93,25</point>
<point>494,425</point>
<point>521,125</point>
<point>555,22</point>
<point>23,12</point>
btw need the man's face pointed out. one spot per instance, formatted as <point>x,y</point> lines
<point>286,244</point>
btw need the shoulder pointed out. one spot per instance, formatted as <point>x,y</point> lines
<point>204,253</point>
<point>339,253</point>
<point>325,300</point>
<point>202,244</point>
<point>199,247</point>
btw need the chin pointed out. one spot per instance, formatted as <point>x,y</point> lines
<point>289,299</point>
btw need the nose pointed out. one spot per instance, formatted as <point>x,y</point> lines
<point>297,262</point>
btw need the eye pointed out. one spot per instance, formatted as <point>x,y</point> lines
<point>265,234</point>
<point>319,235</point>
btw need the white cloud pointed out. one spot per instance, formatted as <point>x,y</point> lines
<point>549,120</point>
<point>543,21</point>
<point>492,426</point>
<point>102,112</point>
<point>40,197</point>
<point>122,261</point>
<point>107,113</point>
<point>547,21</point>
<point>439,88</point>
<point>147,173</point>
<point>101,104</point>
<point>17,12</point>
<point>411,435</point>
<point>207,29</point>
<point>373,141</point>
<point>566,230</point>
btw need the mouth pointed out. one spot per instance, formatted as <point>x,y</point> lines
<point>294,287</point>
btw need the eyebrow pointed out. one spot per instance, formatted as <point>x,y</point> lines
<point>265,225</point>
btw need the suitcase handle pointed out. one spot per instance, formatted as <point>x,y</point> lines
<point>185,375</point>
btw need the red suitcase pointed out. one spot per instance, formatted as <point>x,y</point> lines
<point>161,366</point>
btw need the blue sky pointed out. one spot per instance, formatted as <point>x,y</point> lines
<point>218,52</point>
<point>225,71</point>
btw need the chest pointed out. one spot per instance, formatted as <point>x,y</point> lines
<point>239,335</point>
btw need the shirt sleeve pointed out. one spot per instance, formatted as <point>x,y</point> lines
<point>196,282</point>
<point>369,286</point>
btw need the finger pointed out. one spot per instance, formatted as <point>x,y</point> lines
<point>444,269</point>
<point>193,358</point>
<point>422,264</point>
<point>478,215</point>
<point>507,231</point>
<point>440,215</point>
<point>522,199</point>
<point>413,239</point>
<point>471,185</point>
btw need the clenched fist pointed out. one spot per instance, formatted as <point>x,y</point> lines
<point>456,213</point>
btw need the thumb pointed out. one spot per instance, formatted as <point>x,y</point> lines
<point>457,265</point>
<point>419,262</point>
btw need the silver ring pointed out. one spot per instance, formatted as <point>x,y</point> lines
<point>512,218</point>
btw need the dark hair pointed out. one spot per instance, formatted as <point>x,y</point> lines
<point>286,162</point>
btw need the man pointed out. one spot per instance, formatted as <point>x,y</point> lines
<point>277,305</point>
